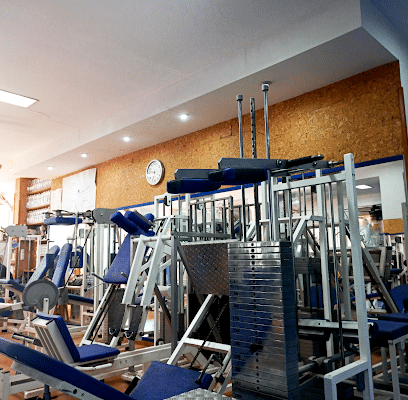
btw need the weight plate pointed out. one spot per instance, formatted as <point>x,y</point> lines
<point>36,292</point>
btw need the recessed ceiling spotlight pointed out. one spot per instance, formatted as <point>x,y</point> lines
<point>126,139</point>
<point>50,168</point>
<point>84,155</point>
<point>11,169</point>
<point>363,187</point>
<point>183,117</point>
<point>16,99</point>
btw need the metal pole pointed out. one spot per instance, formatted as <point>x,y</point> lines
<point>241,154</point>
<point>174,294</point>
<point>254,155</point>
<point>265,88</point>
<point>358,273</point>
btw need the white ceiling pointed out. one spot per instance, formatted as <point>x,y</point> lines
<point>103,69</point>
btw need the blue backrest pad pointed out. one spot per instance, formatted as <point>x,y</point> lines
<point>399,294</point>
<point>45,264</point>
<point>52,367</point>
<point>62,327</point>
<point>121,264</point>
<point>58,279</point>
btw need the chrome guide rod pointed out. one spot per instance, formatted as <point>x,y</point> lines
<point>254,155</point>
<point>265,88</point>
<point>272,207</point>
<point>241,154</point>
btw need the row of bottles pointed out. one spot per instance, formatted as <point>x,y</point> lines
<point>39,184</point>
<point>39,199</point>
<point>37,216</point>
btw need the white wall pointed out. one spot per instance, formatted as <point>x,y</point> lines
<point>6,215</point>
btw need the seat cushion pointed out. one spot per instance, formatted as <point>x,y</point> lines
<point>397,317</point>
<point>92,352</point>
<point>389,330</point>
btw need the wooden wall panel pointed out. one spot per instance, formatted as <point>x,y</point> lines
<point>393,226</point>
<point>358,115</point>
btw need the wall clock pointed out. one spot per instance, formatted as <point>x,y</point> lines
<point>154,172</point>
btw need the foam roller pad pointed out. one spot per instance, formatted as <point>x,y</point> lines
<point>191,186</point>
<point>124,223</point>
<point>239,176</point>
<point>136,219</point>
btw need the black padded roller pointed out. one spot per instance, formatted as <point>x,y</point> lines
<point>181,186</point>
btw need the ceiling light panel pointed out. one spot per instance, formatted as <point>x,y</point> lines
<point>363,187</point>
<point>16,99</point>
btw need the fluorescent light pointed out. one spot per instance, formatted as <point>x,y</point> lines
<point>363,187</point>
<point>183,117</point>
<point>16,99</point>
<point>126,139</point>
<point>50,168</point>
<point>84,155</point>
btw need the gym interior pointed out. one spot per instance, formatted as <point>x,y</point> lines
<point>215,193</point>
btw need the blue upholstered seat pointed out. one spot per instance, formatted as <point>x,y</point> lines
<point>388,330</point>
<point>162,381</point>
<point>84,353</point>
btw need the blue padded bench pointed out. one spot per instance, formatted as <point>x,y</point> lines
<point>393,335</point>
<point>160,381</point>
<point>57,341</point>
<point>58,278</point>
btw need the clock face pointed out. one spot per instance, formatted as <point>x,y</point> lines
<point>154,172</point>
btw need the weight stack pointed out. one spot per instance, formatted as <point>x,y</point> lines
<point>264,340</point>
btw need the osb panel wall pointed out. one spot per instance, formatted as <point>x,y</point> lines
<point>393,226</point>
<point>358,115</point>
<point>122,181</point>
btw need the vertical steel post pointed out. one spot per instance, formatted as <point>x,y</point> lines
<point>254,155</point>
<point>241,154</point>
<point>324,254</point>
<point>272,207</point>
<point>265,88</point>
<point>358,274</point>
<point>174,294</point>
